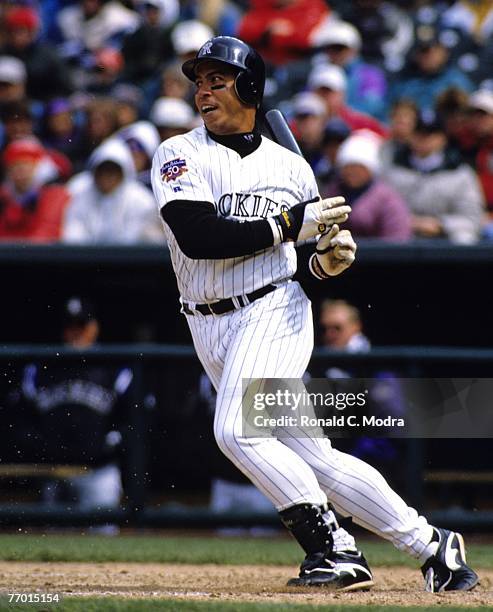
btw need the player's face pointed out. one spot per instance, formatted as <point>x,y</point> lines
<point>216,100</point>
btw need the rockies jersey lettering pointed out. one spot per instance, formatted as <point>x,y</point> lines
<point>260,185</point>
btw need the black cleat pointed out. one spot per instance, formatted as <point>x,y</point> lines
<point>343,571</point>
<point>446,570</point>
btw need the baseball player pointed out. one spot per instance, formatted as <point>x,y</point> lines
<point>234,204</point>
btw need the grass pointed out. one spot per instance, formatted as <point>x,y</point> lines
<point>100,604</point>
<point>164,549</point>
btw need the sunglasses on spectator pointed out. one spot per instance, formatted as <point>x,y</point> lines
<point>334,327</point>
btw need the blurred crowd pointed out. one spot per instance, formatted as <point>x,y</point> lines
<point>391,103</point>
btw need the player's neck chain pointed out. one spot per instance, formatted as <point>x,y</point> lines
<point>243,144</point>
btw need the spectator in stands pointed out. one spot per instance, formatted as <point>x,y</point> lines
<point>149,46</point>
<point>378,210</point>
<point>282,30</point>
<point>17,120</point>
<point>309,120</point>
<point>142,138</point>
<point>89,25</point>
<point>80,411</point>
<point>13,77</point>
<point>428,72</point>
<point>47,75</point>
<point>442,193</point>
<point>108,204</point>
<point>475,17</point>
<point>453,108</point>
<point>18,123</point>
<point>101,123</point>
<point>330,83</point>
<point>30,210</point>
<point>222,16</point>
<point>59,129</point>
<point>341,327</point>
<point>335,133</point>
<point>129,100</point>
<point>105,73</point>
<point>174,84</point>
<point>171,116</point>
<point>366,88</point>
<point>187,37</point>
<point>386,29</point>
<point>481,126</point>
<point>403,118</point>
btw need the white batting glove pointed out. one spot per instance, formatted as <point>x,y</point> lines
<point>309,219</point>
<point>334,253</point>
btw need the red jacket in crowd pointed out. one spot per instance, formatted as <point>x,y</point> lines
<point>280,33</point>
<point>484,168</point>
<point>38,220</point>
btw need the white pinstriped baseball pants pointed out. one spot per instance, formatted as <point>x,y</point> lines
<point>273,338</point>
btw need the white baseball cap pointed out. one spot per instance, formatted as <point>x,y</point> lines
<point>12,70</point>
<point>333,32</point>
<point>482,100</point>
<point>189,36</point>
<point>171,112</point>
<point>329,76</point>
<point>308,103</point>
<point>360,149</point>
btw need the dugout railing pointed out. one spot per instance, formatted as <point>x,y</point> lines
<point>136,511</point>
<point>421,293</point>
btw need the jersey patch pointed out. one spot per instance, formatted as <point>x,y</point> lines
<point>172,170</point>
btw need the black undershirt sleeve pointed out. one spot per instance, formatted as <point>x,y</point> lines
<point>201,234</point>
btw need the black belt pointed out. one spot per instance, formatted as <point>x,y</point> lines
<point>228,304</point>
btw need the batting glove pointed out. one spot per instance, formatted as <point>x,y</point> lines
<point>309,219</point>
<point>334,253</point>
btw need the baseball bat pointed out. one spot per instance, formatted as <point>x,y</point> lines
<point>280,131</point>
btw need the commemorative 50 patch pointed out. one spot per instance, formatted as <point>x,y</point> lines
<point>173,169</point>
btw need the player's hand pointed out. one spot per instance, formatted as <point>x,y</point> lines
<point>334,253</point>
<point>309,219</point>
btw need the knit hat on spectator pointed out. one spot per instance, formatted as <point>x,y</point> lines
<point>308,103</point>
<point>189,36</point>
<point>332,32</point>
<point>482,100</point>
<point>360,149</point>
<point>22,17</point>
<point>327,76</point>
<point>12,70</point>
<point>172,113</point>
<point>24,149</point>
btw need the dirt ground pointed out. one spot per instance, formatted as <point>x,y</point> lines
<point>395,586</point>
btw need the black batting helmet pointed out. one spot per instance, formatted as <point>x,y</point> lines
<point>250,80</point>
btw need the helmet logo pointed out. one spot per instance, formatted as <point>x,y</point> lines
<point>206,48</point>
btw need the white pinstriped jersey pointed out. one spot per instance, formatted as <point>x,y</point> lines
<point>194,167</point>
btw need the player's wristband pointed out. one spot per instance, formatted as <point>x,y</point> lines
<point>288,225</point>
<point>316,269</point>
<point>276,230</point>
